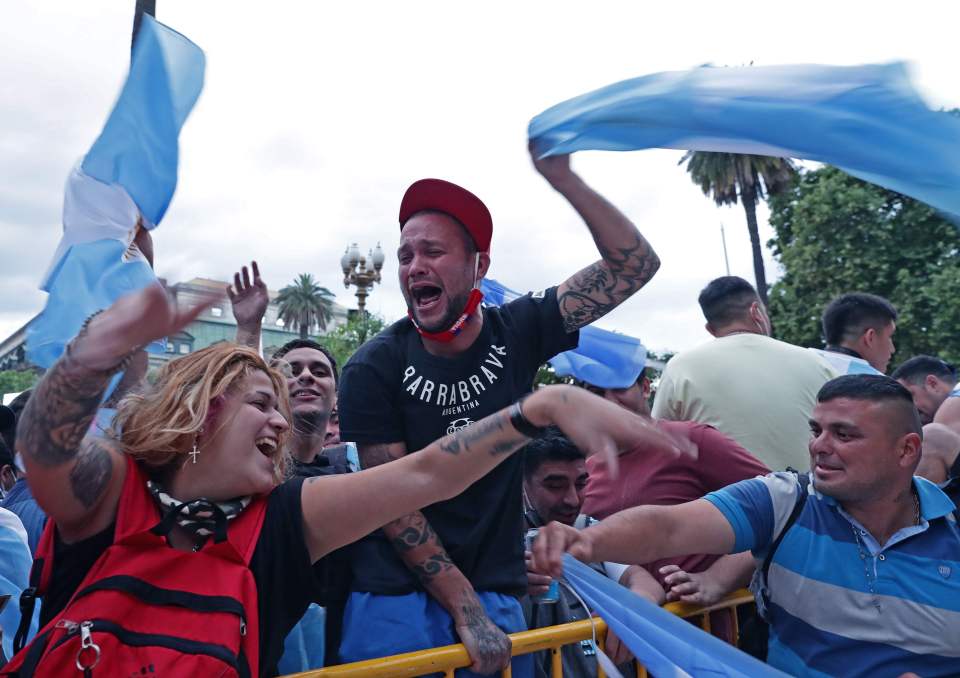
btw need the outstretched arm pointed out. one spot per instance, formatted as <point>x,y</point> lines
<point>249,300</point>
<point>76,478</point>
<point>627,262</point>
<point>637,535</point>
<point>706,588</point>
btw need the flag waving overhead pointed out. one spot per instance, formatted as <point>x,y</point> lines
<point>665,644</point>
<point>866,120</point>
<point>602,358</point>
<point>124,183</point>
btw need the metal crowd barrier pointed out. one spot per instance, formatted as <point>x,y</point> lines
<point>450,657</point>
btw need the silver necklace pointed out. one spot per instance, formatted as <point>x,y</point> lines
<point>862,549</point>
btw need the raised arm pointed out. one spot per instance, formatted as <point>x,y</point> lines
<point>627,262</point>
<point>249,300</point>
<point>76,478</point>
<point>637,535</point>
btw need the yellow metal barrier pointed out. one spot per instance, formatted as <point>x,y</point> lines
<point>450,657</point>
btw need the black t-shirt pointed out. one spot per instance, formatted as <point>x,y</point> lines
<point>280,565</point>
<point>392,390</point>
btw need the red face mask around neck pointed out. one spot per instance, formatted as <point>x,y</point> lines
<point>448,335</point>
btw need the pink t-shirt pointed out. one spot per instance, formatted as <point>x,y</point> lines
<point>665,480</point>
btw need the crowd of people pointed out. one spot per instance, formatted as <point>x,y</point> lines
<point>248,514</point>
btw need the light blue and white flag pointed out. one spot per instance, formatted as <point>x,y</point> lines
<point>842,364</point>
<point>665,644</point>
<point>602,358</point>
<point>866,120</point>
<point>126,181</point>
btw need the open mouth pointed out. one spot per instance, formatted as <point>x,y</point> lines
<point>425,296</point>
<point>307,393</point>
<point>267,446</point>
<point>823,467</point>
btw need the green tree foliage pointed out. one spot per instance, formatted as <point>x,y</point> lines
<point>346,339</point>
<point>14,381</point>
<point>304,304</point>
<point>837,234</point>
<point>729,177</point>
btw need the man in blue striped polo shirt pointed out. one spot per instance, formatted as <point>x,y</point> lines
<point>866,582</point>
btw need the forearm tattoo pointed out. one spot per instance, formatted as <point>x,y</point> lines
<point>59,413</point>
<point>480,433</point>
<point>601,287</point>
<point>490,643</point>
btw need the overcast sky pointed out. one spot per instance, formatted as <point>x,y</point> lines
<point>316,116</point>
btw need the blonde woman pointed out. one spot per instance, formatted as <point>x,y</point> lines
<point>178,547</point>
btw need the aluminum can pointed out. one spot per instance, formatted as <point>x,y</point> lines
<point>553,593</point>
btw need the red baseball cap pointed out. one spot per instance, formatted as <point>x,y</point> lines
<point>459,203</point>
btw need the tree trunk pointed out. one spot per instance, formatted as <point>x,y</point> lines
<point>748,197</point>
<point>303,331</point>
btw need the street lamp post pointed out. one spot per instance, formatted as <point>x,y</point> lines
<point>355,272</point>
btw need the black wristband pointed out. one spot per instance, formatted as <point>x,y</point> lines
<point>521,423</point>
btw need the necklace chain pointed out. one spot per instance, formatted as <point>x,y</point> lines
<point>862,549</point>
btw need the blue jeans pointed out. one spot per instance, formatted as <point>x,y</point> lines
<point>380,626</point>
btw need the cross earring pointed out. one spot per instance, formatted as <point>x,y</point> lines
<point>195,452</point>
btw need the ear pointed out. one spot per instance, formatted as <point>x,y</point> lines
<point>868,337</point>
<point>483,266</point>
<point>931,382</point>
<point>645,387</point>
<point>910,450</point>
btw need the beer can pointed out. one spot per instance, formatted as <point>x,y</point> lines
<point>553,593</point>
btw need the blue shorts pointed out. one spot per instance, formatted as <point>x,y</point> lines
<point>380,626</point>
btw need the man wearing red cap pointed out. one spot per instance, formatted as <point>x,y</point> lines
<point>455,571</point>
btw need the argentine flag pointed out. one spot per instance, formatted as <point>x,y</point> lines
<point>124,183</point>
<point>668,646</point>
<point>866,120</point>
<point>602,358</point>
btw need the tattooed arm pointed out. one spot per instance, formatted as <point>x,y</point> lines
<point>628,261</point>
<point>77,478</point>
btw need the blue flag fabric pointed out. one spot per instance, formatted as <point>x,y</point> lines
<point>867,120</point>
<point>666,644</point>
<point>125,182</point>
<point>137,148</point>
<point>602,358</point>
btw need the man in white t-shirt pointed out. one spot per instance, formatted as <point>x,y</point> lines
<point>757,390</point>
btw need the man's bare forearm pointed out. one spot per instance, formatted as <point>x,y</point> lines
<point>420,549</point>
<point>628,261</point>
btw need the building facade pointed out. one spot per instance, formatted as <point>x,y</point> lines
<point>214,325</point>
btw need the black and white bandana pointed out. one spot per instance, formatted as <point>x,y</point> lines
<point>200,517</point>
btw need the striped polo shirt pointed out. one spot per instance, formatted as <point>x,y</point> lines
<point>824,617</point>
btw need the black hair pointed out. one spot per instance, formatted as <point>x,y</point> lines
<point>875,388</point>
<point>726,299</point>
<point>6,455</point>
<point>847,316</point>
<point>553,445</point>
<point>16,406</point>
<point>916,369</point>
<point>309,343</point>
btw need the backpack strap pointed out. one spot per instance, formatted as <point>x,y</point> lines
<point>40,574</point>
<point>803,491</point>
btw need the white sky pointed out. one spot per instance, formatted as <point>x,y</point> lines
<point>316,116</point>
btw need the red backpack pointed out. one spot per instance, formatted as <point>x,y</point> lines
<point>148,610</point>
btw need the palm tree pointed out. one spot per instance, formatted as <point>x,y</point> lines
<point>305,304</point>
<point>727,177</point>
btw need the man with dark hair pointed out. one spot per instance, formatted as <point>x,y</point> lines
<point>747,385</point>
<point>858,330</point>
<point>863,581</point>
<point>930,381</point>
<point>455,570</point>
<point>554,477</point>
<point>933,384</point>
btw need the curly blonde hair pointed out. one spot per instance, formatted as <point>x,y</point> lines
<point>159,426</point>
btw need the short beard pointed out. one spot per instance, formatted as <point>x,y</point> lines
<point>310,423</point>
<point>454,310</point>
